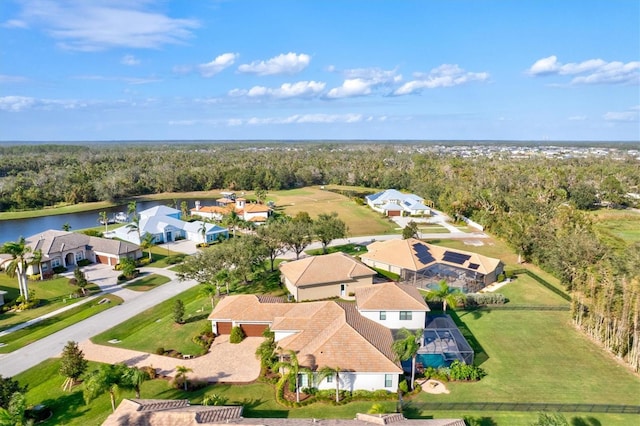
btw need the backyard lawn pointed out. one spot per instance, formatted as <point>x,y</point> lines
<point>524,290</point>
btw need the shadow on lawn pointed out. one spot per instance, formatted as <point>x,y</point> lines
<point>65,408</point>
<point>480,355</point>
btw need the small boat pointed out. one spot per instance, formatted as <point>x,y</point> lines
<point>121,217</point>
<point>109,221</point>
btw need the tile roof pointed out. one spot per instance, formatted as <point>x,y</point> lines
<point>390,297</point>
<point>326,333</point>
<point>53,242</point>
<point>211,209</point>
<point>140,412</point>
<point>328,268</point>
<point>406,254</point>
<point>256,208</point>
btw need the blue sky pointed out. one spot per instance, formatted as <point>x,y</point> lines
<point>377,69</point>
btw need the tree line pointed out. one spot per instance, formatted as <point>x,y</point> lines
<point>538,205</point>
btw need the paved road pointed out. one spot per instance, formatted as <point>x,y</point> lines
<point>35,353</point>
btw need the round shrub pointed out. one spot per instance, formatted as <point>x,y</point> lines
<point>237,335</point>
<point>160,351</point>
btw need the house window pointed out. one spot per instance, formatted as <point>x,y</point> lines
<point>388,380</point>
<point>45,266</point>
<point>79,256</point>
<point>330,379</point>
<point>55,263</point>
<point>383,315</point>
<point>405,315</point>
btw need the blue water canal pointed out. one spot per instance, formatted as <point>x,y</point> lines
<point>11,230</point>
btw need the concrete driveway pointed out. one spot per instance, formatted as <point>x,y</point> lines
<point>225,362</point>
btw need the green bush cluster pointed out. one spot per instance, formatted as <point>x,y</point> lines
<point>237,335</point>
<point>481,299</point>
<point>205,340</point>
<point>174,258</point>
<point>83,262</point>
<point>144,261</point>
<point>500,278</point>
<point>461,371</point>
<point>59,269</point>
<point>35,277</point>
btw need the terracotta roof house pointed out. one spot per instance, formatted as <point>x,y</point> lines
<point>141,412</point>
<point>395,203</point>
<point>216,213</point>
<point>256,213</point>
<point>393,305</point>
<point>165,225</point>
<point>325,333</point>
<point>62,248</point>
<point>424,265</point>
<point>322,277</point>
<point>160,412</point>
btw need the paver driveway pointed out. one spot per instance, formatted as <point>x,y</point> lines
<point>225,362</point>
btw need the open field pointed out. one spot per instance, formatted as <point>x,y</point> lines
<point>526,291</point>
<point>361,220</point>
<point>37,331</point>
<point>620,227</point>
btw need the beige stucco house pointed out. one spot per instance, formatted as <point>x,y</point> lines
<point>326,276</point>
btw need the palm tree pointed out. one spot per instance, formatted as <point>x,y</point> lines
<point>232,221</point>
<point>109,378</point>
<point>181,373</point>
<point>147,242</point>
<point>203,231</point>
<point>335,374</point>
<point>289,363</point>
<point>21,258</point>
<point>66,227</point>
<point>448,295</point>
<point>406,347</point>
<point>135,226</point>
<point>211,291</point>
<point>184,210</point>
<point>131,208</point>
<point>103,219</point>
<point>135,377</point>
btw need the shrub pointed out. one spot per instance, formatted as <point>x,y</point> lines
<point>214,399</point>
<point>403,386</point>
<point>73,281</point>
<point>237,335</point>
<point>160,351</point>
<point>481,299</point>
<point>500,278</point>
<point>59,269</point>
<point>151,372</point>
<point>35,277</point>
<point>461,371</point>
<point>509,274</point>
<point>83,262</point>
<point>92,233</point>
<point>175,258</point>
<point>178,311</point>
<point>143,261</point>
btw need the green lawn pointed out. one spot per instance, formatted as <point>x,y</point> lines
<point>148,283</point>
<point>155,327</point>
<point>27,335</point>
<point>537,356</point>
<point>53,294</point>
<point>524,290</point>
<point>352,249</point>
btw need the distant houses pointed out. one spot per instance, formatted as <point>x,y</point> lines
<point>395,203</point>
<point>250,212</point>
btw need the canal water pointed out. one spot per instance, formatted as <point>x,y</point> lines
<point>11,230</point>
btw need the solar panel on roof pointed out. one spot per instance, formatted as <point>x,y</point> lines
<point>473,266</point>
<point>453,257</point>
<point>423,254</point>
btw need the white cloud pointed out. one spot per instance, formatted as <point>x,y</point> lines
<point>4,78</point>
<point>591,71</point>
<point>129,60</point>
<point>363,82</point>
<point>318,118</point>
<point>128,80</point>
<point>218,64</point>
<point>15,23</point>
<point>300,89</point>
<point>577,118</point>
<point>289,63</point>
<point>104,24</point>
<point>446,75</point>
<point>623,116</point>
<point>22,103</point>
<point>16,103</point>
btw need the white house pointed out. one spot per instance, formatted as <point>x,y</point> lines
<point>164,224</point>
<point>395,203</point>
<point>393,305</point>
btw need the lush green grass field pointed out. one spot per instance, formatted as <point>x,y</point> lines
<point>617,227</point>
<point>148,283</point>
<point>524,290</point>
<point>53,294</point>
<point>27,335</point>
<point>155,327</point>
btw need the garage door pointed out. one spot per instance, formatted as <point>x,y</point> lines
<point>102,259</point>
<point>224,327</point>
<point>253,330</point>
<point>394,213</point>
